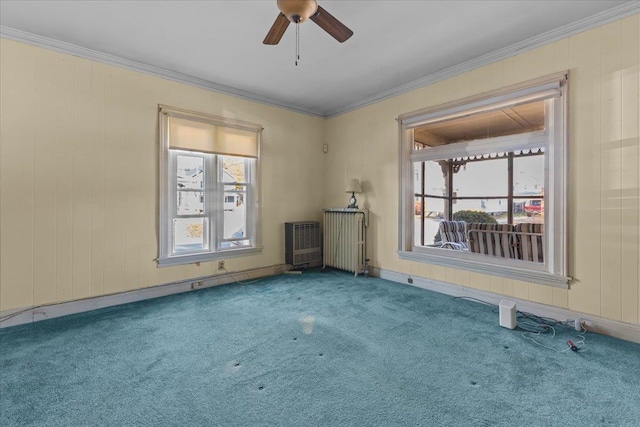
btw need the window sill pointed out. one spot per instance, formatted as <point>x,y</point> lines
<point>499,267</point>
<point>204,257</point>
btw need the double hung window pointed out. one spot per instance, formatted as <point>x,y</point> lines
<point>483,183</point>
<point>208,187</point>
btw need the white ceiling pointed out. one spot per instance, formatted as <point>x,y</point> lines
<point>396,44</point>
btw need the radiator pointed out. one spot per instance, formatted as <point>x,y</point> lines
<point>345,239</point>
<point>303,245</point>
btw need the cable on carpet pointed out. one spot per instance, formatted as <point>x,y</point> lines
<point>577,346</point>
<point>240,282</point>
<point>476,300</point>
<point>538,325</point>
<point>532,324</point>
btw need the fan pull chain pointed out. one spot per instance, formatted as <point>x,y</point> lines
<point>297,42</point>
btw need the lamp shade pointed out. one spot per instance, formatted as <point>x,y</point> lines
<point>353,186</point>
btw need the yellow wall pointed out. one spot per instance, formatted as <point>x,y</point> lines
<point>78,172</point>
<point>603,168</point>
<point>79,176</point>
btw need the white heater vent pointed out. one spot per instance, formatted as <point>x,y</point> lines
<point>345,239</point>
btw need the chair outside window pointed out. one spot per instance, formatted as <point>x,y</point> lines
<point>492,239</point>
<point>453,235</point>
<point>530,241</point>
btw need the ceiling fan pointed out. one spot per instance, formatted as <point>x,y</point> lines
<point>298,11</point>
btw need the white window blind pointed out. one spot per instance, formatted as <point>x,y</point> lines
<point>206,137</point>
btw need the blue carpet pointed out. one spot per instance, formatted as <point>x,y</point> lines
<point>317,349</point>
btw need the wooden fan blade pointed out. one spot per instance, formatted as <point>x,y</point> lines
<point>331,25</point>
<point>277,30</point>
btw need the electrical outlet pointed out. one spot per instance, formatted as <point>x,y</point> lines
<point>409,280</point>
<point>220,265</point>
<point>196,285</point>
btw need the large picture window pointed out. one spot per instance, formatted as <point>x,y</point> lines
<point>208,187</point>
<point>484,183</point>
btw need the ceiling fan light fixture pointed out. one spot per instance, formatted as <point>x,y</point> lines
<point>298,11</point>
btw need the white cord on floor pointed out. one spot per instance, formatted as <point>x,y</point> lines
<point>240,282</point>
<point>580,343</point>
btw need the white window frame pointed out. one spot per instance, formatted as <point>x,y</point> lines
<point>250,172</point>
<point>554,139</point>
<point>213,193</point>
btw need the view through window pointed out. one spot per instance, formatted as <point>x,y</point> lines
<point>484,183</point>
<point>462,188</point>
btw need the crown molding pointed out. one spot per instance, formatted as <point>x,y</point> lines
<point>616,13</point>
<point>105,58</point>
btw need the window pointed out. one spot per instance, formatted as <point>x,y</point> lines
<point>484,183</point>
<point>451,189</point>
<point>208,187</point>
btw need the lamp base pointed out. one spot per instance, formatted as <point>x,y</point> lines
<point>352,202</point>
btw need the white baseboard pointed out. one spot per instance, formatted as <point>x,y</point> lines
<point>626,331</point>
<point>614,328</point>
<point>50,311</point>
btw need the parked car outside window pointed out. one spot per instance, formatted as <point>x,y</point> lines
<point>533,207</point>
